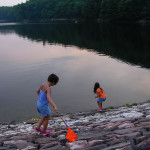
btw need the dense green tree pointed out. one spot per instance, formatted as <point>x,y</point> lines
<point>146,10</point>
<point>19,13</point>
<point>6,13</point>
<point>91,9</point>
<point>130,9</point>
<point>109,10</point>
<point>106,10</point>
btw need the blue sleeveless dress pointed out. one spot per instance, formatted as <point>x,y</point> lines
<point>42,104</point>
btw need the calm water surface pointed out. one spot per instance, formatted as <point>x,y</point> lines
<point>116,56</point>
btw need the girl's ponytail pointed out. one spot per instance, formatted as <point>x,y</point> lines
<point>96,86</point>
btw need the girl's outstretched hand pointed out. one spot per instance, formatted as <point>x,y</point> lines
<point>56,109</point>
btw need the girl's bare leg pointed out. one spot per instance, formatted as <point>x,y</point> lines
<point>40,122</point>
<point>45,123</point>
<point>100,105</point>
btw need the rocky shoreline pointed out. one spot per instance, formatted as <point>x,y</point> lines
<point>121,128</point>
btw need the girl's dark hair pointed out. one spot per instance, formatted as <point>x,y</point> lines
<point>96,86</point>
<point>53,79</point>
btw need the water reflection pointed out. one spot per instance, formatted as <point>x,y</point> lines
<point>80,55</point>
<point>127,43</point>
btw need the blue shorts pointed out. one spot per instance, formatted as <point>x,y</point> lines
<point>100,100</point>
<point>43,109</point>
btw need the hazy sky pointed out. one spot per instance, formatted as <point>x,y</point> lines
<point>11,2</point>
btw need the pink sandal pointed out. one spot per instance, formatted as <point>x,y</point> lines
<point>38,130</point>
<point>100,109</point>
<point>47,132</point>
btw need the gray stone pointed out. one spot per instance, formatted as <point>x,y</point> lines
<point>44,140</point>
<point>20,144</point>
<point>126,148</point>
<point>126,125</point>
<point>77,145</point>
<point>111,127</point>
<point>87,136</point>
<point>128,130</point>
<point>147,128</point>
<point>57,147</point>
<point>49,145</point>
<point>133,114</point>
<point>31,138</point>
<point>118,146</point>
<point>95,142</point>
<point>115,141</point>
<point>61,137</point>
<point>98,147</point>
<point>148,116</point>
<point>1,143</point>
<point>142,124</point>
<point>3,148</point>
<point>30,148</point>
<point>140,139</point>
<point>118,119</point>
<point>145,145</point>
<point>147,134</point>
<point>19,137</point>
<point>11,146</point>
<point>61,132</point>
<point>131,136</point>
<point>77,124</point>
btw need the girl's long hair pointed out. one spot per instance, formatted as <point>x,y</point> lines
<point>96,86</point>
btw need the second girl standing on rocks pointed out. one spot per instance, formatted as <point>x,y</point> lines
<point>44,92</point>
<point>100,95</point>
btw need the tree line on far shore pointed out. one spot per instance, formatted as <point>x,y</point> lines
<point>90,10</point>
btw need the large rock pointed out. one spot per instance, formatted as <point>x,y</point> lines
<point>19,137</point>
<point>3,148</point>
<point>140,139</point>
<point>50,145</point>
<point>132,114</point>
<point>44,140</point>
<point>145,145</point>
<point>120,146</point>
<point>19,144</point>
<point>126,125</point>
<point>131,136</point>
<point>128,130</point>
<point>77,145</point>
<point>97,147</point>
<point>95,142</point>
<point>114,141</point>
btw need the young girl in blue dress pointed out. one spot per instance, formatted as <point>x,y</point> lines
<point>44,93</point>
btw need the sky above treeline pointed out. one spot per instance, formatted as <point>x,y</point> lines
<point>11,2</point>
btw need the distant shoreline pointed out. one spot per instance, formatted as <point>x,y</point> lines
<point>76,21</point>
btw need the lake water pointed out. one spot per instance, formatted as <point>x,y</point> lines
<point>116,56</point>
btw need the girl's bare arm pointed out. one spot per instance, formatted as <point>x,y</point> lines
<point>97,95</point>
<point>51,101</point>
<point>38,91</point>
